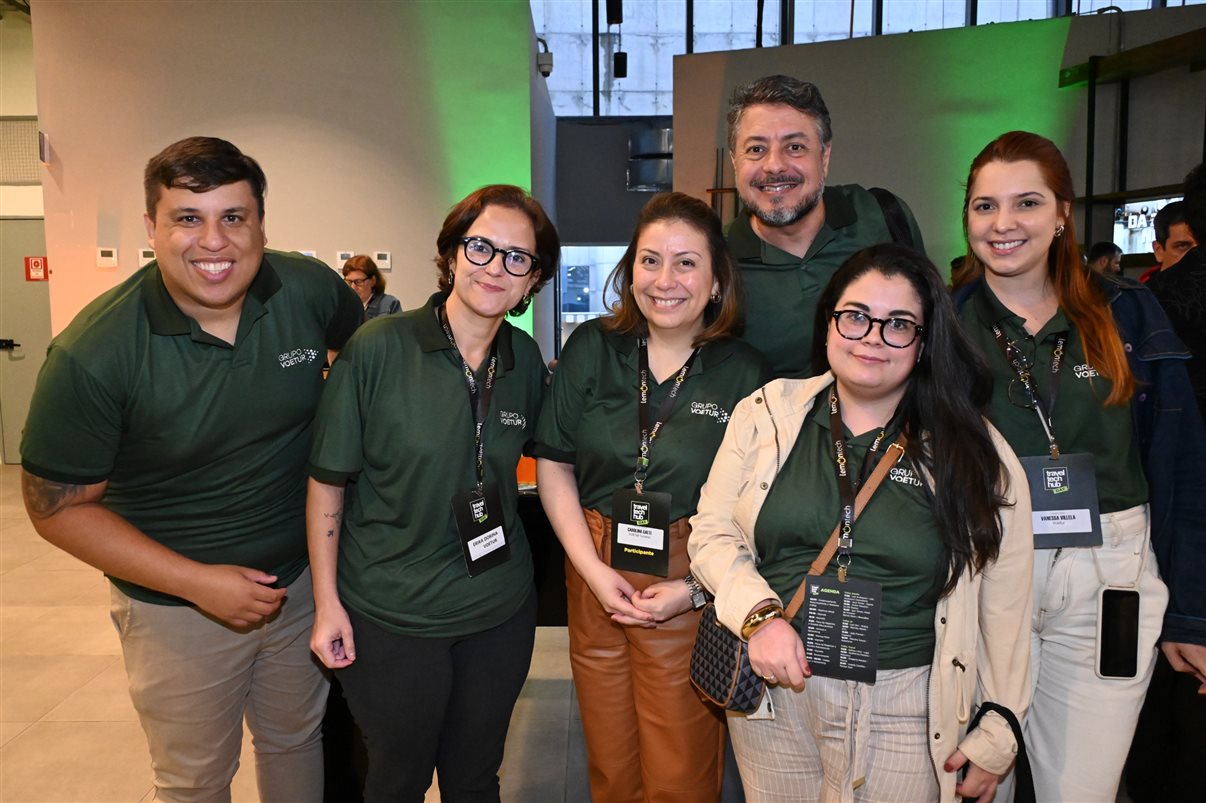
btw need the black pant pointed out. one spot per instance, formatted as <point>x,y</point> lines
<point>1166,757</point>
<point>437,703</point>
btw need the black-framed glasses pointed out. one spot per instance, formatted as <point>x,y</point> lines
<point>357,283</point>
<point>898,333</point>
<point>480,251</point>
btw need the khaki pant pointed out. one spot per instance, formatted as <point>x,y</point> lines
<point>192,680</point>
<point>649,737</point>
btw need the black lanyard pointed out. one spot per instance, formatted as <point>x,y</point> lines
<point>649,433</point>
<point>1014,357</point>
<point>479,400</point>
<point>845,485</point>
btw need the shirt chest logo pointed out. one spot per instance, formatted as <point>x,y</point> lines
<point>297,357</point>
<point>712,410</point>
<point>905,476</point>
<point>1085,371</point>
<point>510,419</point>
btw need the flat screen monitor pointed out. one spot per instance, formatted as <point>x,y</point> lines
<point>1135,224</point>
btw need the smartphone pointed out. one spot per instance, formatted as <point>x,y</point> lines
<point>1117,633</point>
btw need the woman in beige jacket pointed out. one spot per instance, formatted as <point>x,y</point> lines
<point>945,542</point>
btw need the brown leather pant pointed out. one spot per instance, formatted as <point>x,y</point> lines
<point>649,737</point>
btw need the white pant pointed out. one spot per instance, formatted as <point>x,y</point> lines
<point>839,741</point>
<point>1079,726</point>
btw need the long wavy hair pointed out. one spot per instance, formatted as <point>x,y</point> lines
<point>941,409</point>
<point>1080,295</point>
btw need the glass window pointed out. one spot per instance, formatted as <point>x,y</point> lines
<point>924,16</point>
<point>832,19</point>
<point>1089,6</point>
<point>730,24</point>
<point>566,29</point>
<point>1012,10</point>
<point>584,272</point>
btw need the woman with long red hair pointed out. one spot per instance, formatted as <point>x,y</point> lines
<point>1091,392</point>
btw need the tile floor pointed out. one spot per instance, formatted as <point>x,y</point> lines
<point>69,733</point>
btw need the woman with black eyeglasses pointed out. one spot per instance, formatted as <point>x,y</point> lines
<point>1091,391</point>
<point>364,277</point>
<point>881,480</point>
<point>424,603</point>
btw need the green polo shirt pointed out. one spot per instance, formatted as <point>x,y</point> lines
<point>203,444</point>
<point>1080,420</point>
<point>591,418</point>
<point>396,426</point>
<point>781,290</point>
<point>896,539</point>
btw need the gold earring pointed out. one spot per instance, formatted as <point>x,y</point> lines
<point>1059,231</point>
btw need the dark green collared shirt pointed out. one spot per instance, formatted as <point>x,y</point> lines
<point>591,418</point>
<point>896,540</point>
<point>396,426</point>
<point>781,290</point>
<point>1080,420</point>
<point>203,443</point>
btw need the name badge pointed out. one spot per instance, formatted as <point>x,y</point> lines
<point>841,627</point>
<point>479,523</point>
<point>640,525</point>
<point>1063,496</point>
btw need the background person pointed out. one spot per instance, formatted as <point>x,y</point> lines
<point>946,535</point>
<point>649,737</point>
<point>1109,381</point>
<point>422,571</point>
<point>1106,257</point>
<point>166,447</point>
<point>363,276</point>
<point>1173,239</point>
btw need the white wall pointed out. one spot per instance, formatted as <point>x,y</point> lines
<point>367,118</point>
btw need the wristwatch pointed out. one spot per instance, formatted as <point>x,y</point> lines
<point>699,597</point>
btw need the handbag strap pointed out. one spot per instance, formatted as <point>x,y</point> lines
<point>1023,779</point>
<point>819,565</point>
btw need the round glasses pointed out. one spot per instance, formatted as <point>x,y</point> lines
<point>515,261</point>
<point>898,333</point>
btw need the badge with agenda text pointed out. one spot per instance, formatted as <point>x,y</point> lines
<point>1063,497</point>
<point>841,627</point>
<point>640,524</point>
<point>479,523</point>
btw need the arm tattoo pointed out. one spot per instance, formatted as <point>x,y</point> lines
<point>333,524</point>
<point>44,498</point>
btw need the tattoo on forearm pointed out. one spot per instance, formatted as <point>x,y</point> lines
<point>334,519</point>
<point>44,498</point>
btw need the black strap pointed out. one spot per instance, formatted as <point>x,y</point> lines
<point>479,399</point>
<point>1023,779</point>
<point>845,543</point>
<point>894,216</point>
<point>649,433</point>
<point>1015,359</point>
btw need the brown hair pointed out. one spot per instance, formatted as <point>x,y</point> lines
<point>462,216</point>
<point>365,264</point>
<point>721,318</point>
<point>1079,294</point>
<point>201,164</point>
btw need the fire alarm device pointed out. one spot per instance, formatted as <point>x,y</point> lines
<point>36,269</point>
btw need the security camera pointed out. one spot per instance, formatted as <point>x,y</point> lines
<point>544,58</point>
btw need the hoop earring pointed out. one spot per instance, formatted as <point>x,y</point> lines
<point>1059,231</point>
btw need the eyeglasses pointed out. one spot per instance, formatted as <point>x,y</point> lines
<point>515,261</point>
<point>357,283</point>
<point>898,333</point>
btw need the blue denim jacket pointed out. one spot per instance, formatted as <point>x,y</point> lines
<point>1172,443</point>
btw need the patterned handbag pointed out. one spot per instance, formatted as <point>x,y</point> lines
<point>720,660</point>
<point>720,666</point>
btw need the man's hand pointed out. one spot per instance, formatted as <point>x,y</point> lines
<point>1187,658</point>
<point>239,596</point>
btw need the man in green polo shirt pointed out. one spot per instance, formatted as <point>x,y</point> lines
<point>166,445</point>
<point>794,231</point>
